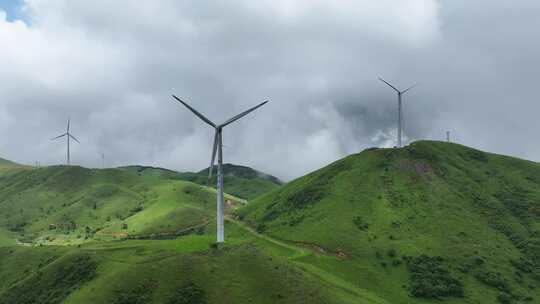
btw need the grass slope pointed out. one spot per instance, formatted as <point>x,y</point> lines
<point>249,269</point>
<point>429,221</point>
<point>73,204</point>
<point>73,248</point>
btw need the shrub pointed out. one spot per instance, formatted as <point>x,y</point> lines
<point>504,298</point>
<point>53,285</point>
<point>359,223</point>
<point>306,195</point>
<point>493,279</point>
<point>261,228</point>
<point>295,220</point>
<point>430,280</point>
<point>188,294</point>
<point>141,294</point>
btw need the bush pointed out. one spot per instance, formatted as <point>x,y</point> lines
<point>54,284</point>
<point>493,279</point>
<point>360,224</point>
<point>141,294</point>
<point>430,280</point>
<point>504,298</point>
<point>188,294</point>
<point>261,228</point>
<point>306,195</point>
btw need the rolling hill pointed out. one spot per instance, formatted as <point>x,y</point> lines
<point>430,221</point>
<point>75,235</point>
<point>70,204</point>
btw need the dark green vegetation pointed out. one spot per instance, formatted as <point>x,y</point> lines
<point>429,278</point>
<point>240,181</point>
<point>430,223</point>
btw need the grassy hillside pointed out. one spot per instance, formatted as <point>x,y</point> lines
<point>72,204</point>
<point>429,221</point>
<point>240,181</point>
<point>8,166</point>
<point>76,235</point>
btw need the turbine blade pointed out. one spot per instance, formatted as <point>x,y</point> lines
<point>242,114</point>
<point>69,119</point>
<point>413,86</point>
<point>59,136</point>
<point>389,84</point>
<point>195,112</point>
<point>73,137</point>
<point>214,150</point>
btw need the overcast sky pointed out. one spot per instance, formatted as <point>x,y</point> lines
<point>112,66</point>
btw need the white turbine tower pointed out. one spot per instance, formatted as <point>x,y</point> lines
<point>448,136</point>
<point>400,107</point>
<point>68,136</point>
<point>218,148</point>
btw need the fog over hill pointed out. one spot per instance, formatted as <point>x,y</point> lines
<point>112,67</point>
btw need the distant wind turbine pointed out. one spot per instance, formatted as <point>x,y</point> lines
<point>68,136</point>
<point>448,136</point>
<point>218,148</point>
<point>400,107</point>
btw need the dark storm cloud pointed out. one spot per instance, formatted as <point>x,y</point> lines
<point>112,65</point>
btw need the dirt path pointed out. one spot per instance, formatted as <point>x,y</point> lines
<point>313,270</point>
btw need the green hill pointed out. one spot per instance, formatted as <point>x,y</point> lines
<point>240,181</point>
<point>429,221</point>
<point>72,204</point>
<point>77,235</point>
<point>6,165</point>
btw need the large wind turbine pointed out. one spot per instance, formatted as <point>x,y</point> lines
<point>218,145</point>
<point>68,136</point>
<point>400,111</point>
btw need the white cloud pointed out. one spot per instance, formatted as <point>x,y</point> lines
<point>112,65</point>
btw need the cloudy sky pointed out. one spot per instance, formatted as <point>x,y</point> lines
<point>112,66</point>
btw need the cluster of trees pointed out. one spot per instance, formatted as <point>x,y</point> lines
<point>188,293</point>
<point>429,278</point>
<point>54,285</point>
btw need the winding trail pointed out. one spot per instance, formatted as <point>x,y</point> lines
<point>329,278</point>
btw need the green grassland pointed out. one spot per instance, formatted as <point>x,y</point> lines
<point>395,215</point>
<point>430,223</point>
<point>72,204</point>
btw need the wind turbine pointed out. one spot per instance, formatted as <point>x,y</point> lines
<point>448,136</point>
<point>400,111</point>
<point>68,136</point>
<point>218,148</point>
